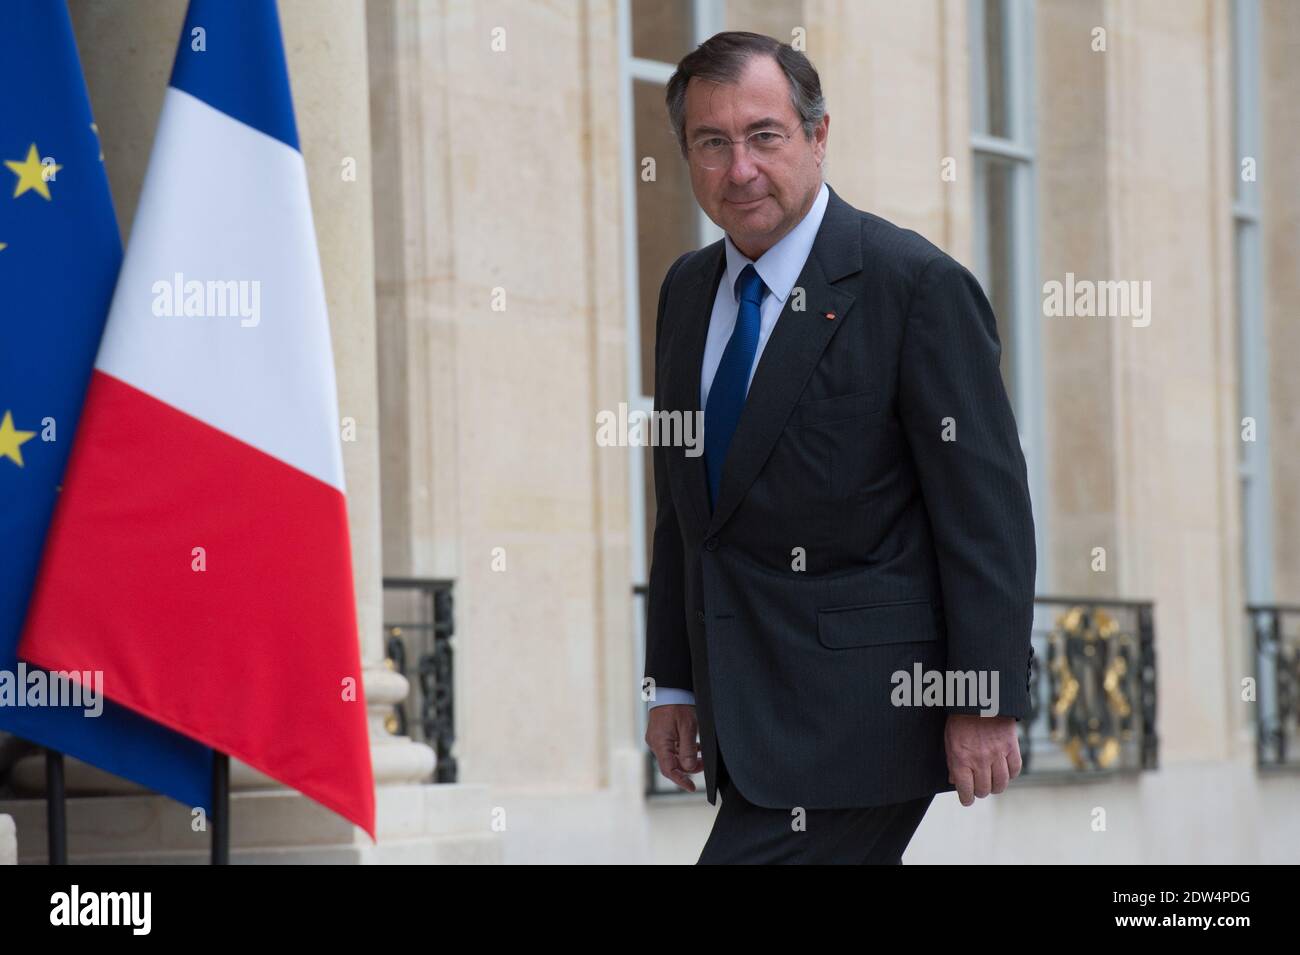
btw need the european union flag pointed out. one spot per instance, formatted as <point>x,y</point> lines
<point>59,258</point>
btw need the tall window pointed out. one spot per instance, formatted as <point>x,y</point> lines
<point>661,221</point>
<point>1252,341</point>
<point>660,215</point>
<point>1005,220</point>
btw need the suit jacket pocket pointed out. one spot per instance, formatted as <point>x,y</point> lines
<point>868,625</point>
<point>835,408</point>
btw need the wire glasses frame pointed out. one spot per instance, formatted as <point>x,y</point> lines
<point>714,152</point>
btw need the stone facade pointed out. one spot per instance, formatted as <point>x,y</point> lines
<point>478,297</point>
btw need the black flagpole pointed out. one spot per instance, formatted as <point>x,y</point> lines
<point>220,808</point>
<point>56,809</point>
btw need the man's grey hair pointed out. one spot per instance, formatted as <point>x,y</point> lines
<point>723,57</point>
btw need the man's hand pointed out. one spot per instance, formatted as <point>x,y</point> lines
<point>983,754</point>
<point>671,737</point>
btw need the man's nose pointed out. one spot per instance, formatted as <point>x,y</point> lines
<point>743,168</point>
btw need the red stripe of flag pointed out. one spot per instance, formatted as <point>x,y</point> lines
<point>249,656</point>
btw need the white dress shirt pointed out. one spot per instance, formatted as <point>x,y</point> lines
<point>779,268</point>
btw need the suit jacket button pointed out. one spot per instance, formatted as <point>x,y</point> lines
<point>699,615</point>
<point>711,544</point>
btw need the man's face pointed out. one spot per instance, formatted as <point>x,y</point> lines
<point>755,202</point>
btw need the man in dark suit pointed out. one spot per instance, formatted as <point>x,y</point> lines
<point>860,517</point>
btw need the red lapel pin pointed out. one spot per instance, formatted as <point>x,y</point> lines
<point>830,315</point>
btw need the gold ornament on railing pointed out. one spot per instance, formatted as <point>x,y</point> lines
<point>1091,714</point>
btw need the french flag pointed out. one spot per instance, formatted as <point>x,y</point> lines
<point>199,552</point>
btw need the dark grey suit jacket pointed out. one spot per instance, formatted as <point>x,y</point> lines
<point>918,549</point>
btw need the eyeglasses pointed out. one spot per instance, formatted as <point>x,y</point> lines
<point>714,152</point>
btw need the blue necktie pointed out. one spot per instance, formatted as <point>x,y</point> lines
<point>731,381</point>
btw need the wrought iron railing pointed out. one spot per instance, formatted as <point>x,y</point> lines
<point>1092,682</point>
<point>1092,689</point>
<point>418,630</point>
<point>1277,684</point>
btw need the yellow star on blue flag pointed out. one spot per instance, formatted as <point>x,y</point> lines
<point>12,440</point>
<point>33,173</point>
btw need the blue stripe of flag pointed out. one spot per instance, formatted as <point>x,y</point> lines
<point>231,56</point>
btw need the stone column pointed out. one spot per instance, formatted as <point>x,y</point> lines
<point>1074,237</point>
<point>1279,85</point>
<point>495,131</point>
<point>325,41</point>
<point>1168,186</point>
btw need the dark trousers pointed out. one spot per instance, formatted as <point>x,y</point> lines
<point>754,835</point>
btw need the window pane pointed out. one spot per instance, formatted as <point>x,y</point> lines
<point>992,114</point>
<point>665,211</point>
<point>994,251</point>
<point>661,29</point>
<point>1245,97</point>
<point>1245,250</point>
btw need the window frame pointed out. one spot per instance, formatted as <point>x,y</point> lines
<point>707,19</point>
<point>1254,461</point>
<point>1019,151</point>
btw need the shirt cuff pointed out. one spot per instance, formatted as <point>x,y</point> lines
<point>667,695</point>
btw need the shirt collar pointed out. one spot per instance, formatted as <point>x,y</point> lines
<point>779,266</point>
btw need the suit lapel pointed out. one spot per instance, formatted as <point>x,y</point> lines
<point>792,352</point>
<point>685,384</point>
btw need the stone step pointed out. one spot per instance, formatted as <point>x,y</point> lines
<point>416,823</point>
